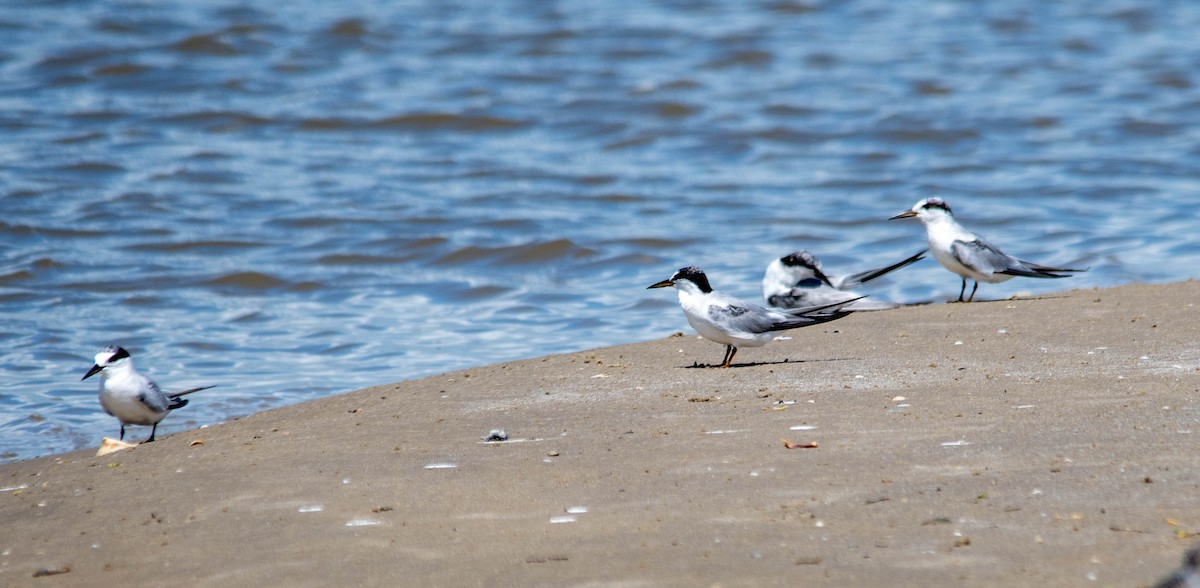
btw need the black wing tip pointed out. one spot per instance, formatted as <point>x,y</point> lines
<point>1037,267</point>
<point>189,391</point>
<point>867,276</point>
<point>810,320</point>
<point>1060,270</point>
<point>831,316</point>
<point>1041,271</point>
<point>1030,274</point>
<point>824,309</point>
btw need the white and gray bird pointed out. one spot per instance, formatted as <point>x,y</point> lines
<point>724,319</point>
<point>797,281</point>
<point>969,255</point>
<point>130,396</point>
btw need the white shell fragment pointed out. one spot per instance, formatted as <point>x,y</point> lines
<point>109,445</point>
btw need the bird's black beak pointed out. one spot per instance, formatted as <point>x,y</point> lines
<point>95,370</point>
<point>905,214</point>
<point>662,284</point>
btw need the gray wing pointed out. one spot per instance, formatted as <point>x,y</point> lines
<point>854,280</point>
<point>806,297</point>
<point>743,317</point>
<point>986,258</point>
<point>153,397</point>
<point>983,257</point>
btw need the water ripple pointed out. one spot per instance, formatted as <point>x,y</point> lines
<point>239,195</point>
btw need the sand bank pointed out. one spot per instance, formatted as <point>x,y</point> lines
<point>1048,442</point>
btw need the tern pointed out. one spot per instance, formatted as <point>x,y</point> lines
<point>724,319</point>
<point>796,281</point>
<point>969,255</point>
<point>130,396</point>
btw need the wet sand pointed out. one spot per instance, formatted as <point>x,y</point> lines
<point>1040,442</point>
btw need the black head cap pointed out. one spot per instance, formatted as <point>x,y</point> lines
<point>801,258</point>
<point>113,354</point>
<point>117,352</point>
<point>695,275</point>
<point>807,260</point>
<point>936,202</point>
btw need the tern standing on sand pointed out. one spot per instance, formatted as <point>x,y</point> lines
<point>968,254</point>
<point>796,281</point>
<point>721,318</point>
<point>128,395</point>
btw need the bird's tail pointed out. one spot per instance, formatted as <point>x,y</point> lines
<point>1053,270</point>
<point>177,403</point>
<point>1029,269</point>
<point>855,280</point>
<point>188,391</point>
<point>809,320</point>
<point>816,311</point>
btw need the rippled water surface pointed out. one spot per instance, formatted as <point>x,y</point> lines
<point>291,200</point>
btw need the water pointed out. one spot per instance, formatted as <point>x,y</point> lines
<point>292,200</point>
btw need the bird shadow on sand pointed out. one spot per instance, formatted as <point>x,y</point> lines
<point>761,363</point>
<point>1011,299</point>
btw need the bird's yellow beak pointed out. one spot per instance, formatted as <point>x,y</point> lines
<point>662,284</point>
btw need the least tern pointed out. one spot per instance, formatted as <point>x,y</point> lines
<point>128,395</point>
<point>796,280</point>
<point>968,254</point>
<point>721,318</point>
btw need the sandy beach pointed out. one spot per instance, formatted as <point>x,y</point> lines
<point>1032,442</point>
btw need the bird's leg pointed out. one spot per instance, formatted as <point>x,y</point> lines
<point>963,290</point>
<point>153,430</point>
<point>733,352</point>
<point>972,290</point>
<point>122,431</point>
<point>724,358</point>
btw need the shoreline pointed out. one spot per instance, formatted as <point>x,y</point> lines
<point>1041,441</point>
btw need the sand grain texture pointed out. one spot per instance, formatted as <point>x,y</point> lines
<point>1046,442</point>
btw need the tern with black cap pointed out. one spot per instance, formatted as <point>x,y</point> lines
<point>797,281</point>
<point>724,319</point>
<point>969,255</point>
<point>130,396</point>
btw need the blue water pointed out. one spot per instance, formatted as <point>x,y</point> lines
<point>292,200</point>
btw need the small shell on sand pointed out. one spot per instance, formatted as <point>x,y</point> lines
<point>109,445</point>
